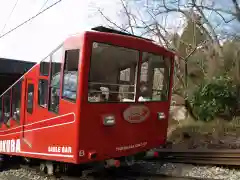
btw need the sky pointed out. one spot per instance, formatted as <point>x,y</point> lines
<point>36,39</point>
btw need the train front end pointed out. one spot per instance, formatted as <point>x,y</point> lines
<point>126,88</point>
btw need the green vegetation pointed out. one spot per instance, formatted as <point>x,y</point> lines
<point>200,134</point>
<point>214,98</point>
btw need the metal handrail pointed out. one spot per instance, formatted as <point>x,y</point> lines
<point>117,92</point>
<point>111,84</point>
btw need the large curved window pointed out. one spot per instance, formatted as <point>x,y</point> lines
<point>154,77</point>
<point>112,76</point>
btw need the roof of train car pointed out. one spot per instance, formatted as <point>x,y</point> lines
<point>12,66</point>
<point>103,29</point>
<point>114,31</point>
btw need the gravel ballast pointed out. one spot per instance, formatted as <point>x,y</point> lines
<point>180,169</point>
<point>175,169</point>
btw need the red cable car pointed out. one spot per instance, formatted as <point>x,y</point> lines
<point>100,96</point>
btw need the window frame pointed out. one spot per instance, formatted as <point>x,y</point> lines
<point>13,99</point>
<point>6,121</point>
<point>69,74</point>
<point>32,107</point>
<point>40,66</point>
<point>47,93</point>
<point>60,47</point>
<point>164,57</point>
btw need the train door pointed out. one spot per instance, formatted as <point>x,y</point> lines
<point>28,111</point>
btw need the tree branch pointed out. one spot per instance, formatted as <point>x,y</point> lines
<point>217,46</point>
<point>128,16</point>
<point>111,22</point>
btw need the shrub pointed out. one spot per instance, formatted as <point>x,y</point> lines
<point>213,98</point>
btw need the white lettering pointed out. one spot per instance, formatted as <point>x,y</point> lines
<point>4,146</point>
<point>10,145</point>
<point>131,146</point>
<point>1,146</point>
<point>18,146</point>
<point>60,149</point>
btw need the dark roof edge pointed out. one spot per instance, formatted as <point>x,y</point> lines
<point>16,60</point>
<point>114,31</point>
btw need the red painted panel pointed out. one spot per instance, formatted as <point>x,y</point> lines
<point>124,138</point>
<point>78,126</point>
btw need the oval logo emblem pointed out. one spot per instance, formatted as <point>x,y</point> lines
<point>136,114</point>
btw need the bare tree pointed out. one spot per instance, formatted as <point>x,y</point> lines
<point>200,35</point>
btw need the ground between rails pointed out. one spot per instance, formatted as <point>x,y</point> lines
<point>127,173</point>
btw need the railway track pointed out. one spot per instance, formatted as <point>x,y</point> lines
<point>139,171</point>
<point>140,174</point>
<point>132,174</point>
<point>129,173</point>
<point>207,157</point>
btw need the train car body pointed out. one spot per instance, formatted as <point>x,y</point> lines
<point>98,96</point>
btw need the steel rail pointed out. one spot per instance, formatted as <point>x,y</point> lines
<point>204,156</point>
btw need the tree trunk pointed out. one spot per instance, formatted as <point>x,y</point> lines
<point>189,109</point>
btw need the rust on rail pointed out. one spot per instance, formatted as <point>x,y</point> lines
<point>199,156</point>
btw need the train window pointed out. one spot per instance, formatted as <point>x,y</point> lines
<point>44,66</point>
<point>154,78</point>
<point>54,88</point>
<point>112,75</point>
<point>16,100</point>
<point>6,107</point>
<point>30,98</point>
<point>43,92</point>
<point>1,111</point>
<point>70,75</point>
